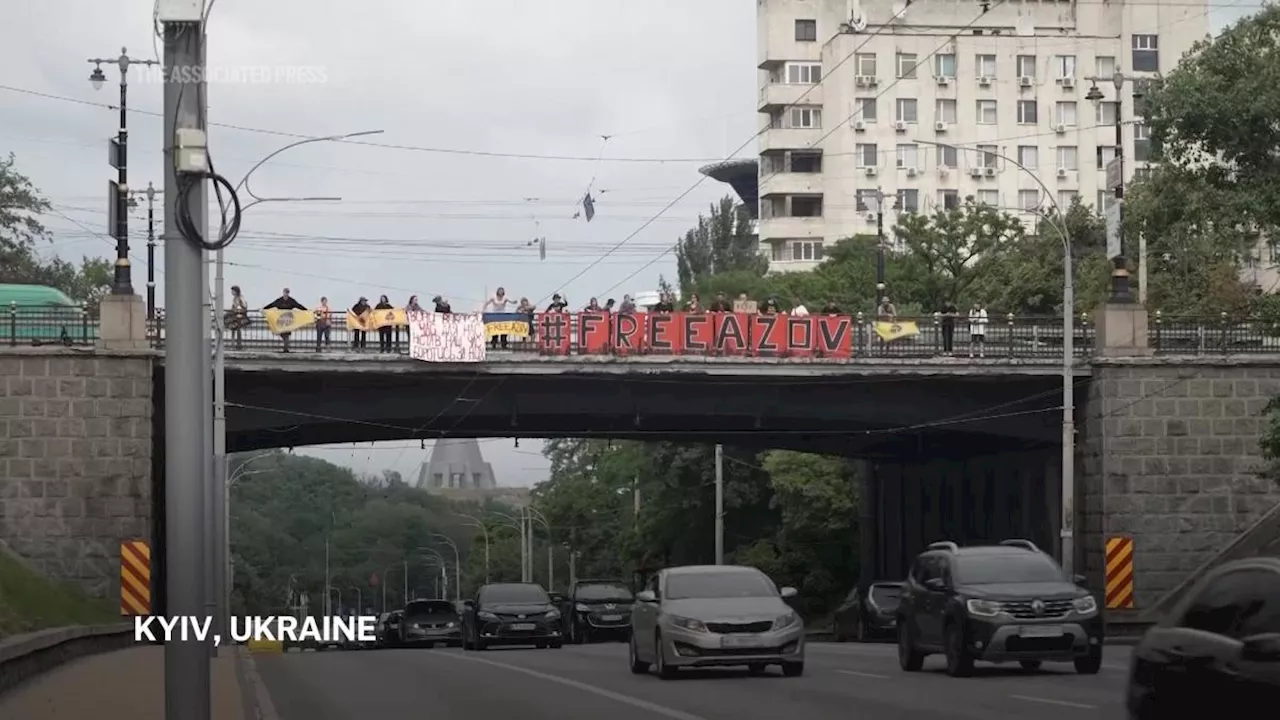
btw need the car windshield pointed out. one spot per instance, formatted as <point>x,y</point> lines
<point>603,592</point>
<point>518,593</point>
<point>720,585</point>
<point>1006,568</point>
<point>886,597</point>
<point>423,608</point>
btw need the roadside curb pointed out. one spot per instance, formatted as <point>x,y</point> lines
<point>253,691</point>
<point>25,656</point>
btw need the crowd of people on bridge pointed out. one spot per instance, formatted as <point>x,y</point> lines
<point>237,318</point>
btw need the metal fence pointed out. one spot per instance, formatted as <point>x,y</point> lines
<point>1007,336</point>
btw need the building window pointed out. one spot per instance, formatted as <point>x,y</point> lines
<point>1104,66</point>
<point>1146,53</point>
<point>866,200</point>
<point>985,65</point>
<point>909,156</point>
<point>948,199</point>
<point>804,162</point>
<point>475,479</point>
<point>866,110</point>
<point>1142,173</point>
<point>1029,200</point>
<point>866,64</point>
<point>1141,143</point>
<point>806,206</point>
<point>945,111</point>
<point>455,480</point>
<point>909,201</point>
<point>806,118</point>
<point>947,157</point>
<point>1064,113</point>
<point>1027,66</point>
<point>1066,198</point>
<point>987,114</point>
<point>868,155</point>
<point>988,156</point>
<point>1028,112</point>
<point>1105,153</point>
<point>1105,114</point>
<point>804,73</point>
<point>944,65</point>
<point>806,249</point>
<point>806,31</point>
<point>989,197</point>
<point>437,479</point>
<point>1068,158</point>
<point>907,110</point>
<point>1066,66</point>
<point>777,251</point>
<point>906,66</point>
<point>1029,156</point>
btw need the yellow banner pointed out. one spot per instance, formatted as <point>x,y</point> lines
<point>359,322</point>
<point>395,317</point>
<point>287,321</point>
<point>510,328</point>
<point>897,330</point>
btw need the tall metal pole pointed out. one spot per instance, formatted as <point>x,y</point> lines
<point>151,255</point>
<point>528,555</point>
<point>359,600</point>
<point>405,597</point>
<point>880,285</point>
<point>123,277</point>
<point>186,696</point>
<point>719,504</point>
<point>326,575</point>
<point>212,496</point>
<point>551,564</point>
<point>1067,523</point>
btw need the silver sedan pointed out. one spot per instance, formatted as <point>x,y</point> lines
<point>714,615</point>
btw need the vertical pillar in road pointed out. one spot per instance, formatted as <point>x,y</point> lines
<point>186,678</point>
<point>719,504</point>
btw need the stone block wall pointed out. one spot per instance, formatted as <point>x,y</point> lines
<point>1170,455</point>
<point>75,460</point>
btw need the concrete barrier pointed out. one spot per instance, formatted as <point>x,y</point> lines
<point>28,655</point>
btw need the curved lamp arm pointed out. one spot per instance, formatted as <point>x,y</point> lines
<point>257,200</point>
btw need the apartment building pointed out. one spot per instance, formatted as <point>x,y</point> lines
<point>927,103</point>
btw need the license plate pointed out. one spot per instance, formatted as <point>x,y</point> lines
<point>610,618</point>
<point>1041,631</point>
<point>518,627</point>
<point>739,641</point>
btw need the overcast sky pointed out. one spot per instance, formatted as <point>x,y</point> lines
<point>672,82</point>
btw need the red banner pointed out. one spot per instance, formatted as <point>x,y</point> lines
<point>695,334</point>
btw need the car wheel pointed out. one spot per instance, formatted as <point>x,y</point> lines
<point>1089,664</point>
<point>575,633</point>
<point>540,646</point>
<point>859,629</point>
<point>638,666</point>
<point>586,636</point>
<point>1030,664</point>
<point>909,659</point>
<point>793,669</point>
<point>665,671</point>
<point>959,661</point>
<point>556,644</point>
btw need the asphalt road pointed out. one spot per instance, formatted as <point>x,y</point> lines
<point>592,682</point>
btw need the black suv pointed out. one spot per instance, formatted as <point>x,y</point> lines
<point>597,609</point>
<point>999,604</point>
<point>511,614</point>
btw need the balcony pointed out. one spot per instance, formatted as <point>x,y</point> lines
<point>776,95</point>
<point>789,138</point>
<point>781,48</point>
<point>791,183</point>
<point>791,228</point>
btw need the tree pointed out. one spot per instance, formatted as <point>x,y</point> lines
<point>721,242</point>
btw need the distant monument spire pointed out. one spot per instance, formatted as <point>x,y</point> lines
<point>456,464</point>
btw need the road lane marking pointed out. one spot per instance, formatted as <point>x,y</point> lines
<point>635,702</point>
<point>1050,701</point>
<point>864,674</point>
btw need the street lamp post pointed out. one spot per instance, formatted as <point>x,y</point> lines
<point>359,600</point>
<point>1120,285</point>
<point>484,532</point>
<point>880,206</point>
<point>457,564</point>
<point>122,280</point>
<point>551,557</point>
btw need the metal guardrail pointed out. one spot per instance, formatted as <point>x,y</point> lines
<point>25,656</point>
<point>1007,337</point>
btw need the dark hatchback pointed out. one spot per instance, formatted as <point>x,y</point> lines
<point>1002,603</point>
<point>869,613</point>
<point>599,609</point>
<point>431,622</point>
<point>511,614</point>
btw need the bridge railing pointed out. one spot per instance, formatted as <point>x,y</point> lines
<point>1007,336</point>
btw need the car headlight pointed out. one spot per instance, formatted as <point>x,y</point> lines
<point>449,624</point>
<point>983,608</point>
<point>786,621</point>
<point>581,607</point>
<point>486,615</point>
<point>553,614</point>
<point>1085,605</point>
<point>685,623</point>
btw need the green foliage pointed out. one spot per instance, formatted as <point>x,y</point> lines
<point>30,602</point>
<point>719,243</point>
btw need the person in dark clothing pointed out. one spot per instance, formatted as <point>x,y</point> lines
<point>386,331</point>
<point>558,304</point>
<point>360,338</point>
<point>285,302</point>
<point>664,304</point>
<point>949,314</point>
<point>831,308</point>
<point>442,305</point>
<point>720,304</point>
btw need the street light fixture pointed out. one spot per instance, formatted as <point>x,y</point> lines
<point>97,78</point>
<point>477,523</point>
<point>457,564</point>
<point>1120,285</point>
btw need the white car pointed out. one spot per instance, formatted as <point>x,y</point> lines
<point>715,615</point>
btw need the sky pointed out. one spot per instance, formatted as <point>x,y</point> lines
<point>494,117</point>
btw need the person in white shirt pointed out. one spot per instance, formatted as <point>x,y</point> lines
<point>978,329</point>
<point>498,304</point>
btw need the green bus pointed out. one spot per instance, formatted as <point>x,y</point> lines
<point>42,315</point>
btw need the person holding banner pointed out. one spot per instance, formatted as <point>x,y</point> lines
<point>358,323</point>
<point>498,304</point>
<point>978,329</point>
<point>285,302</point>
<point>323,324</point>
<point>384,331</point>
<point>237,318</point>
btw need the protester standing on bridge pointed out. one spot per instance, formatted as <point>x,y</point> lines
<point>978,329</point>
<point>628,306</point>
<point>949,314</point>
<point>385,331</point>
<point>285,302</point>
<point>720,304</point>
<point>664,305</point>
<point>558,304</point>
<point>237,318</point>
<point>360,338</point>
<point>608,305</point>
<point>442,305</point>
<point>694,305</point>
<point>498,304</point>
<point>593,306</point>
<point>412,306</point>
<point>323,324</point>
<point>886,312</point>
<point>831,308</point>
